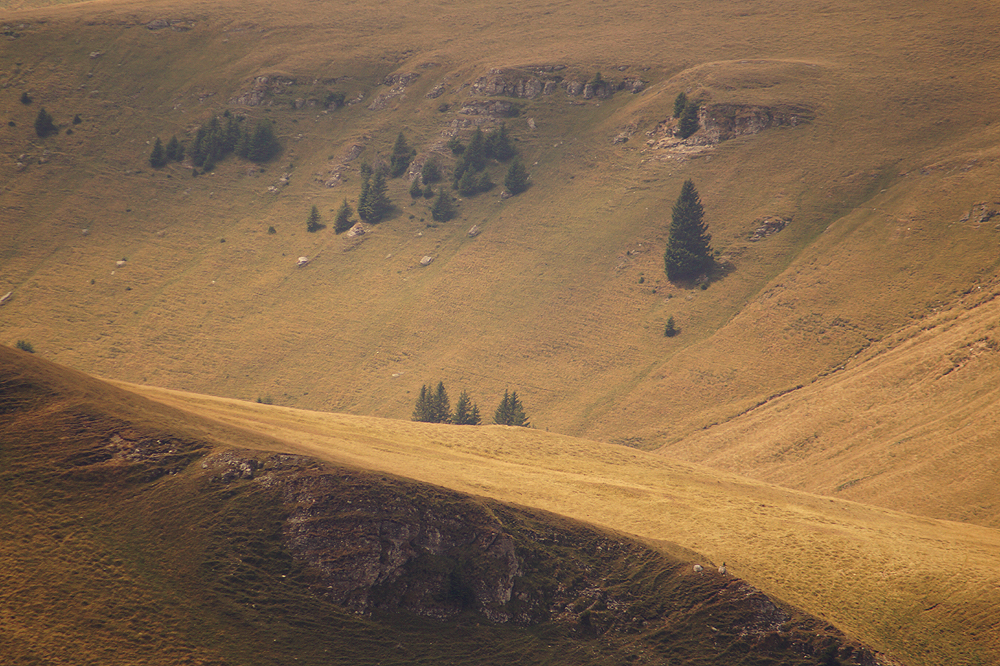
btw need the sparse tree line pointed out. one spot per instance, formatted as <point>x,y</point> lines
<point>469,177</point>
<point>217,139</point>
<point>433,406</point>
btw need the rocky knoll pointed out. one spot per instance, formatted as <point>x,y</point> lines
<point>244,528</point>
<point>378,544</point>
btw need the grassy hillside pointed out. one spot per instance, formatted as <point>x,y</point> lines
<point>888,578</point>
<point>851,354</point>
<point>562,296</point>
<point>910,423</point>
<point>129,540</point>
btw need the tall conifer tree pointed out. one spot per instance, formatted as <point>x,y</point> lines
<point>510,411</point>
<point>688,251</point>
<point>466,411</point>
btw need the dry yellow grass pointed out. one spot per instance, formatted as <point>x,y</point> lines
<point>547,300</point>
<point>923,590</point>
<point>910,424</point>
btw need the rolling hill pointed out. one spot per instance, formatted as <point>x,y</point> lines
<point>829,399</point>
<point>562,295</point>
<point>135,533</point>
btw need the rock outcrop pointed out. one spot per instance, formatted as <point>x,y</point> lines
<point>376,543</point>
<point>720,122</point>
<point>530,83</point>
<point>261,89</point>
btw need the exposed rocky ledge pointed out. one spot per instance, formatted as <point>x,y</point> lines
<point>720,122</point>
<point>531,83</point>
<point>374,543</point>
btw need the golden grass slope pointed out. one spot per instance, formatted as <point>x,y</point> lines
<point>920,589</point>
<point>910,423</point>
<point>127,538</point>
<point>562,295</point>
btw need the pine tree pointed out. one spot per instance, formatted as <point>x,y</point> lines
<point>443,208</point>
<point>670,330</point>
<point>475,153</point>
<point>212,145</point>
<point>498,144</point>
<point>312,224</point>
<point>364,204</point>
<point>262,144</point>
<point>466,411</point>
<point>170,152</point>
<point>197,149</point>
<point>401,157</point>
<point>44,125</point>
<point>468,184</point>
<point>433,405</point>
<point>688,252</point>
<point>423,411</point>
<point>431,171</point>
<point>441,405</point>
<point>516,180</point>
<point>680,103</point>
<point>688,124</point>
<point>231,134</point>
<point>510,411</point>
<point>157,158</point>
<point>415,190</point>
<point>378,203</point>
<point>343,220</point>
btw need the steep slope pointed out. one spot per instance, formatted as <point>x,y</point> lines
<point>127,542</point>
<point>886,577</point>
<point>562,294</point>
<point>910,423</point>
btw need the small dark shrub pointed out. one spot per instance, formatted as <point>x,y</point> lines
<point>24,345</point>
<point>671,328</point>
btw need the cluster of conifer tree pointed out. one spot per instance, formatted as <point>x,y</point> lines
<point>470,176</point>
<point>433,406</point>
<point>219,138</point>
<point>160,156</point>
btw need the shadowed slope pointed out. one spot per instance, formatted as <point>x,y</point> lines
<point>124,542</point>
<point>886,577</point>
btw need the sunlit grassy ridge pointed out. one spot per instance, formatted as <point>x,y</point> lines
<point>888,578</point>
<point>125,541</point>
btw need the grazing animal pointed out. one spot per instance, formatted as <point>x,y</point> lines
<point>698,568</point>
<point>722,569</point>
